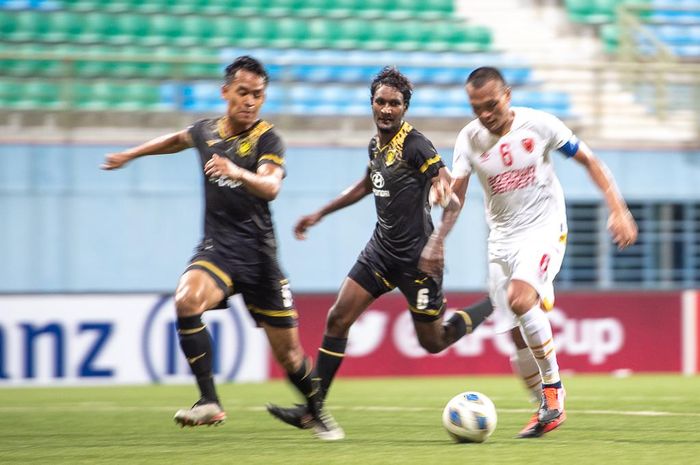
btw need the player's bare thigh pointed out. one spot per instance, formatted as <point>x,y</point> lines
<point>196,292</point>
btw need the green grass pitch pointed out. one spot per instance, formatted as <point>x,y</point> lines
<point>635,420</point>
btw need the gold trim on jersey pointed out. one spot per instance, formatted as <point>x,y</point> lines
<point>247,141</point>
<point>276,159</point>
<point>273,313</point>
<point>216,270</point>
<point>428,311</point>
<point>384,280</point>
<point>394,148</point>
<point>431,161</point>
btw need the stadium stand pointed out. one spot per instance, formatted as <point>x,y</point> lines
<point>673,23</point>
<point>162,56</point>
<point>158,40</point>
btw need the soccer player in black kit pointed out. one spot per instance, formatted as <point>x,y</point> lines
<point>242,159</point>
<point>403,168</point>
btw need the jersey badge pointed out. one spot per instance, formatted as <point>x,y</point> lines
<point>528,144</point>
<point>390,157</point>
<point>244,147</point>
<point>484,156</point>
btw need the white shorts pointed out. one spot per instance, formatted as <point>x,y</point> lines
<point>534,258</point>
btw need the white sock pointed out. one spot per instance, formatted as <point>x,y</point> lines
<point>538,335</point>
<point>525,366</point>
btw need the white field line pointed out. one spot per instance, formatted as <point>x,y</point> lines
<point>105,407</point>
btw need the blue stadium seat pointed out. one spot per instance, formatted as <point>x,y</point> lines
<point>352,67</point>
<point>353,100</point>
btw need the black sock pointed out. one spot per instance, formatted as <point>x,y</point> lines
<point>330,356</point>
<point>466,320</point>
<point>478,312</point>
<point>307,382</point>
<point>302,379</point>
<point>196,345</point>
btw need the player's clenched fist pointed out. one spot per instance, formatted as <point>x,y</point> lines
<point>114,161</point>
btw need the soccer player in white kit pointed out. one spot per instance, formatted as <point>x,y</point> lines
<point>510,149</point>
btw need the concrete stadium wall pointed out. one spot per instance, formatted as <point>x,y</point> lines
<point>66,226</point>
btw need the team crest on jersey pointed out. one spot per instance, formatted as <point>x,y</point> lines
<point>528,144</point>
<point>484,156</point>
<point>244,147</point>
<point>394,149</point>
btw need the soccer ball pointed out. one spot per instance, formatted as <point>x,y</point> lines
<point>469,417</point>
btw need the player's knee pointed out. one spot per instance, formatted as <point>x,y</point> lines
<point>432,345</point>
<point>521,302</point>
<point>188,303</point>
<point>338,322</point>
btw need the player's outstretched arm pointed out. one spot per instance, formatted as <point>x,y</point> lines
<point>620,222</point>
<point>432,259</point>
<point>348,197</point>
<point>169,143</point>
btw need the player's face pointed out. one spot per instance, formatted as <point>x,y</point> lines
<point>491,104</point>
<point>245,95</point>
<point>388,109</point>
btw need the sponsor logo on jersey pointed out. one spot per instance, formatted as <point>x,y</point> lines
<point>223,181</point>
<point>528,144</point>
<point>377,180</point>
<point>378,183</point>
<point>512,180</point>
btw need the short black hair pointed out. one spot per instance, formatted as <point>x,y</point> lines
<point>481,76</point>
<point>247,63</point>
<point>392,77</point>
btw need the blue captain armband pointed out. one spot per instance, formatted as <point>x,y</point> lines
<point>570,147</point>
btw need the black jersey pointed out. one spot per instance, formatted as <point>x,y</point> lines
<point>237,223</point>
<point>401,174</point>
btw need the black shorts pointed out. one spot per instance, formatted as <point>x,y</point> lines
<point>269,299</point>
<point>379,274</point>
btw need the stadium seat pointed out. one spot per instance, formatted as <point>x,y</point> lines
<point>126,28</point>
<point>23,26</point>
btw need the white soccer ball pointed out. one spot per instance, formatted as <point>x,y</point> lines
<point>469,417</point>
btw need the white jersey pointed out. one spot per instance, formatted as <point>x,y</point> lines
<point>516,171</point>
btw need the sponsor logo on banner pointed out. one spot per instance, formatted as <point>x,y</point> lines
<point>593,332</point>
<point>594,338</point>
<point>100,339</point>
<point>161,352</point>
